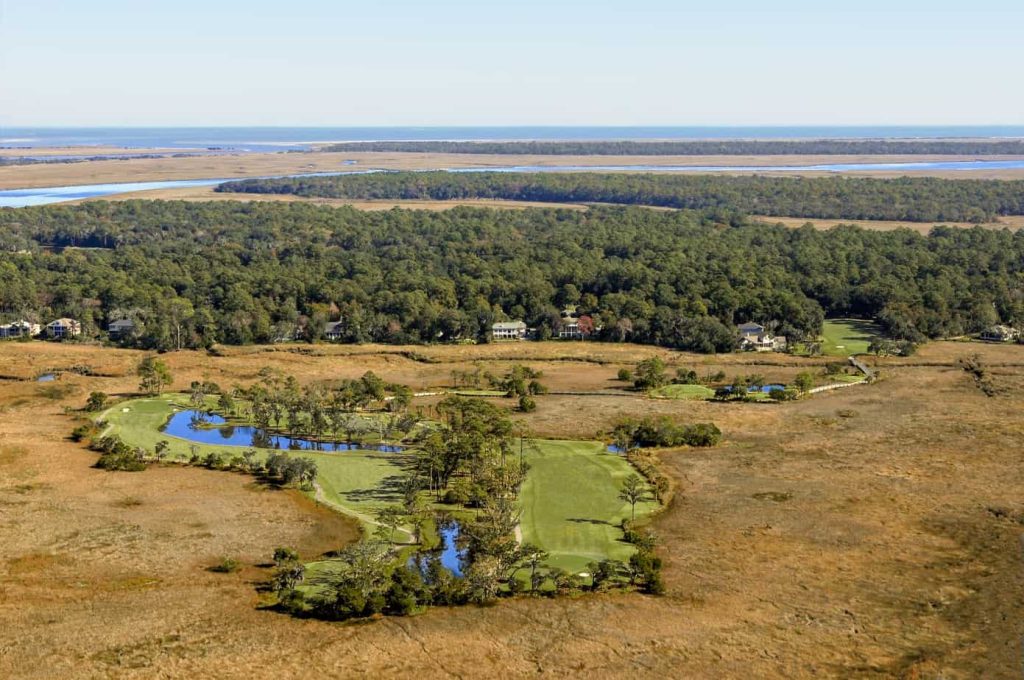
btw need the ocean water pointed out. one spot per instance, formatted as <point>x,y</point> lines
<point>298,138</point>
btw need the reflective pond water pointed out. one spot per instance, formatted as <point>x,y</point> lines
<point>449,554</point>
<point>210,428</point>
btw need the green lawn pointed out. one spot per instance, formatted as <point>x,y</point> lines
<point>683,392</point>
<point>845,337</point>
<point>570,503</point>
<point>359,482</point>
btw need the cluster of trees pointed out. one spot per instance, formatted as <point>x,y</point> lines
<point>662,431</point>
<point>916,199</point>
<point>194,274</point>
<point>724,147</point>
<point>319,411</point>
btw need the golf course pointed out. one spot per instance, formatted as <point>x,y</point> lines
<point>569,503</point>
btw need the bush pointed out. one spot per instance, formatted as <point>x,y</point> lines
<point>227,565</point>
<point>96,401</point>
<point>527,404</point>
<point>625,375</point>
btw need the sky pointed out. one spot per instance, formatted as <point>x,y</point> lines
<point>527,62</point>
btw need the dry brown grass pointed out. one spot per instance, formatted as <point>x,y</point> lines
<point>870,532</point>
<point>1013,222</point>
<point>259,164</point>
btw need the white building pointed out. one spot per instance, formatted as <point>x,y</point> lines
<point>19,329</point>
<point>754,337</point>
<point>1000,333</point>
<point>509,330</point>
<point>63,328</point>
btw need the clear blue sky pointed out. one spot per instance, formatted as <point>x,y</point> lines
<point>530,62</point>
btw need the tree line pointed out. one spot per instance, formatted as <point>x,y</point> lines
<point>197,274</point>
<point>914,199</point>
<point>725,147</point>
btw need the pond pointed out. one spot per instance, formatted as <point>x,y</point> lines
<point>210,428</point>
<point>449,554</point>
<point>764,388</point>
<point>47,377</point>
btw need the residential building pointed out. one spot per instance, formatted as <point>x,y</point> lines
<point>334,330</point>
<point>1000,333</point>
<point>121,328</point>
<point>754,337</point>
<point>63,328</point>
<point>509,330</point>
<point>19,329</point>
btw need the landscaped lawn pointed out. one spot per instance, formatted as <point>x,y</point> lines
<point>845,337</point>
<point>683,392</point>
<point>570,502</point>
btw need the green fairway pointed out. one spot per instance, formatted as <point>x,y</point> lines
<point>570,503</point>
<point>683,392</point>
<point>357,482</point>
<point>845,337</point>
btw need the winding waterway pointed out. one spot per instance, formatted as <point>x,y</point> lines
<point>21,198</point>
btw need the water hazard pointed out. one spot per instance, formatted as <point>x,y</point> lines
<point>212,429</point>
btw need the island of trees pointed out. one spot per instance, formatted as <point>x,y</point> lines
<point>915,199</point>
<point>724,147</point>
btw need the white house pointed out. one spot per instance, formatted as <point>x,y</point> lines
<point>20,329</point>
<point>509,330</point>
<point>754,337</point>
<point>1000,333</point>
<point>63,328</point>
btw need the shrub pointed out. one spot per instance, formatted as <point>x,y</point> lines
<point>96,401</point>
<point>227,565</point>
<point>625,375</point>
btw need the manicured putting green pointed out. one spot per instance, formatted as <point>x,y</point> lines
<point>683,392</point>
<point>845,337</point>
<point>570,502</point>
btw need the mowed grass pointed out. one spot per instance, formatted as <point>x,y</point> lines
<point>570,503</point>
<point>846,337</point>
<point>357,482</point>
<point>683,392</point>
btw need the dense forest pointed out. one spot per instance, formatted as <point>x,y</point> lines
<point>726,147</point>
<point>192,274</point>
<point>920,199</point>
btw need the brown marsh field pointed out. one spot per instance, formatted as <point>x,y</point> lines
<point>871,532</point>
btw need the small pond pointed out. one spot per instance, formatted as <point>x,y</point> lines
<point>764,388</point>
<point>47,377</point>
<point>615,448</point>
<point>210,428</point>
<point>449,554</point>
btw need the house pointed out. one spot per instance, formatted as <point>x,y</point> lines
<point>19,329</point>
<point>509,330</point>
<point>63,328</point>
<point>121,328</point>
<point>1000,333</point>
<point>334,330</point>
<point>754,337</point>
<point>579,328</point>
